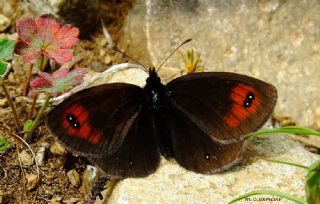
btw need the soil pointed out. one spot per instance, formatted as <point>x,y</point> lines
<point>53,185</point>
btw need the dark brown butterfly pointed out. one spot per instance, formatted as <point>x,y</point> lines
<point>199,119</point>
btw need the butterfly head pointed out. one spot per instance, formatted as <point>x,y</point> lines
<point>153,76</point>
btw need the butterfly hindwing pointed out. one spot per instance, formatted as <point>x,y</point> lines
<point>94,122</point>
<point>226,106</point>
<point>193,149</point>
<point>138,155</point>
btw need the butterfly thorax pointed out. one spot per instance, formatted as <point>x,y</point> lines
<point>154,90</point>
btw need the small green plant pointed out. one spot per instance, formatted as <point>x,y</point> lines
<point>6,54</point>
<point>41,40</point>
<point>52,85</point>
<point>312,187</point>
<point>45,37</point>
<point>4,145</point>
<point>192,62</point>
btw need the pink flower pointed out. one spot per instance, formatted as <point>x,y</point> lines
<point>45,36</point>
<point>59,82</point>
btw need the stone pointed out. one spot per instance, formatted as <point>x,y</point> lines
<point>5,22</point>
<point>82,14</point>
<point>3,102</point>
<point>55,200</point>
<point>40,155</point>
<point>57,149</point>
<point>89,176</point>
<point>26,158</point>
<point>74,177</point>
<point>171,183</point>
<point>1,196</point>
<point>32,181</point>
<point>8,8</point>
<point>71,200</point>
<point>107,59</point>
<point>276,41</point>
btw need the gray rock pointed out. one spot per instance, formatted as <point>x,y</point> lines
<point>26,158</point>
<point>5,22</point>
<point>40,155</point>
<point>1,196</point>
<point>89,176</point>
<point>57,149</point>
<point>173,184</point>
<point>82,14</point>
<point>3,102</point>
<point>32,181</point>
<point>74,177</point>
<point>276,41</point>
<point>8,7</point>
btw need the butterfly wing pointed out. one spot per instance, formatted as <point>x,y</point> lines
<point>94,122</point>
<point>192,148</point>
<point>208,115</point>
<point>139,153</point>
<point>226,106</point>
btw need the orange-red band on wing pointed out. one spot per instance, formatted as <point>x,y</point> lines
<point>85,130</point>
<point>238,111</point>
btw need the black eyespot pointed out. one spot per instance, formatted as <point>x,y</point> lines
<point>206,156</point>
<point>73,121</point>
<point>250,96</point>
<point>248,102</point>
<point>130,162</point>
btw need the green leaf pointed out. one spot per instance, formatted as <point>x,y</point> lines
<point>27,125</point>
<point>4,145</point>
<point>312,187</point>
<point>288,130</point>
<point>290,163</point>
<point>6,49</point>
<point>3,67</point>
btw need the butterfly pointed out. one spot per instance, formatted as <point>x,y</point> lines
<point>199,119</point>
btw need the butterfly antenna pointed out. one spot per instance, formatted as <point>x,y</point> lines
<point>136,61</point>
<point>113,47</point>
<point>173,51</point>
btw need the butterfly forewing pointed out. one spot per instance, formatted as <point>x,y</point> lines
<point>95,121</point>
<point>225,106</point>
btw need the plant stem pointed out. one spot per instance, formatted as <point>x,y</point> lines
<point>41,66</point>
<point>37,120</point>
<point>290,163</point>
<point>11,104</point>
<point>27,83</point>
<point>33,105</point>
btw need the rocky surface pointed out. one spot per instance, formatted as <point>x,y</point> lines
<point>173,184</point>
<point>276,41</point>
